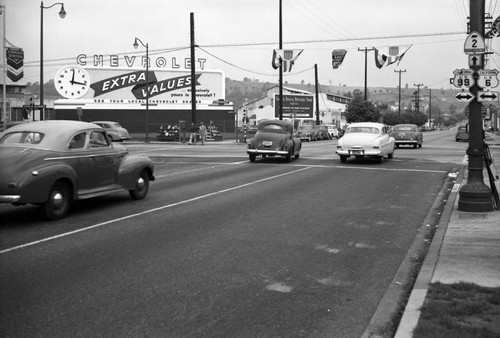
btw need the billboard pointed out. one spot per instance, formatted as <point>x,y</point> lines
<point>299,105</point>
<point>128,88</point>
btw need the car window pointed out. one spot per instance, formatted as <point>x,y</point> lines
<point>273,127</point>
<point>98,139</point>
<point>78,141</point>
<point>404,129</point>
<point>23,137</point>
<point>367,130</point>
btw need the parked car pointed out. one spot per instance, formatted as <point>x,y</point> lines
<point>306,133</point>
<point>342,130</point>
<point>366,139</point>
<point>274,138</point>
<point>115,130</point>
<point>332,131</point>
<point>52,163</point>
<point>407,134</point>
<point>168,132</point>
<point>462,133</point>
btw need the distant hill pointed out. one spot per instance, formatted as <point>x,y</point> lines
<point>238,91</point>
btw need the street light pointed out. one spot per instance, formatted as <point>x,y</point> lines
<point>136,45</point>
<point>62,14</point>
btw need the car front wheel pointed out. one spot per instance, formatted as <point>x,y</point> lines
<point>252,157</point>
<point>58,203</point>
<point>141,186</point>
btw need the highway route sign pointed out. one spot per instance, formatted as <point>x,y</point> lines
<point>463,78</point>
<point>474,44</point>
<point>487,96</point>
<point>464,97</point>
<point>487,78</point>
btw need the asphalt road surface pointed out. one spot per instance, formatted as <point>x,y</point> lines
<point>222,247</point>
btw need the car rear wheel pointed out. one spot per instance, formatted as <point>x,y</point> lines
<point>252,157</point>
<point>288,157</point>
<point>343,158</point>
<point>141,186</point>
<point>58,202</point>
<point>380,159</point>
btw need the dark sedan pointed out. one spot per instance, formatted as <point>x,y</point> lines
<point>51,163</point>
<point>274,138</point>
<point>407,134</point>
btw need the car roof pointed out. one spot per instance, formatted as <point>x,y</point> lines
<point>54,130</point>
<point>366,124</point>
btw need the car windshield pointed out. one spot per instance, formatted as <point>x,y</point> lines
<point>116,125</point>
<point>273,128</point>
<point>22,137</point>
<point>366,130</point>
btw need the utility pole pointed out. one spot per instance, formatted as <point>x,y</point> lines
<point>399,71</point>
<point>475,196</point>
<point>430,107</point>
<point>417,99</point>
<point>193,72</point>
<point>317,91</point>
<point>366,50</point>
<point>281,64</point>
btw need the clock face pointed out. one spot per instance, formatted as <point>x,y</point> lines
<point>72,82</point>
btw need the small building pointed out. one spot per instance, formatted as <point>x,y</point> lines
<point>298,105</point>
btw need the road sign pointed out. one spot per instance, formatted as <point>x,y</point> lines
<point>487,78</point>
<point>463,78</point>
<point>475,60</point>
<point>487,96</point>
<point>464,97</point>
<point>474,44</point>
<point>337,57</point>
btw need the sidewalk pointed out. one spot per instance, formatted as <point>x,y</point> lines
<point>465,248</point>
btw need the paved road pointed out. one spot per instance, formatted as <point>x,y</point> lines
<point>224,247</point>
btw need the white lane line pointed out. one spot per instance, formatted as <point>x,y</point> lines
<point>152,210</point>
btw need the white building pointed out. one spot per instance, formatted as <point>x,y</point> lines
<point>331,108</point>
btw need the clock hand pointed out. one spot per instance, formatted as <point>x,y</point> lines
<point>73,77</point>
<point>80,83</point>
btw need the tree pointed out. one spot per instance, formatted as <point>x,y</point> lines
<point>391,118</point>
<point>359,110</point>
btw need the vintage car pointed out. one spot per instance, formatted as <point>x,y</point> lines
<point>52,163</point>
<point>306,133</point>
<point>462,133</point>
<point>321,132</point>
<point>274,138</point>
<point>366,139</point>
<point>407,134</point>
<point>114,130</point>
<point>332,131</point>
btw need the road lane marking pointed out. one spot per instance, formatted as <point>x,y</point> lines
<point>152,210</point>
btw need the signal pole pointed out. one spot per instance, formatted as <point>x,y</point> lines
<point>366,50</point>
<point>475,196</point>
<point>399,71</point>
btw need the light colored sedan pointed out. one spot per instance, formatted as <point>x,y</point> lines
<point>114,130</point>
<point>366,139</point>
<point>52,163</point>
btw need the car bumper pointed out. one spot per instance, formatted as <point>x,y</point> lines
<point>267,152</point>
<point>358,152</point>
<point>406,141</point>
<point>9,198</point>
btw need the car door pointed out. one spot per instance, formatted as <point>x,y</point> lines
<point>385,144</point>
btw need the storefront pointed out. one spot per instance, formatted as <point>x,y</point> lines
<point>119,94</point>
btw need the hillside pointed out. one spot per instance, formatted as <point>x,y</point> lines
<point>238,91</point>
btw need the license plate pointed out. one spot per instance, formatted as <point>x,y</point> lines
<point>357,152</point>
<point>267,143</point>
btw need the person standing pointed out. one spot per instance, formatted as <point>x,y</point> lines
<point>202,131</point>
<point>192,135</point>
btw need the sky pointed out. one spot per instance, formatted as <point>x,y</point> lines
<point>238,36</point>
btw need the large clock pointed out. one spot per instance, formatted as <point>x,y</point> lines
<point>72,82</point>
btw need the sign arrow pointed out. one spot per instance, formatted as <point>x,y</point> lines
<point>487,96</point>
<point>474,60</point>
<point>464,97</point>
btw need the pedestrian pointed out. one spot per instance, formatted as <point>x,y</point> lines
<point>202,131</point>
<point>193,134</point>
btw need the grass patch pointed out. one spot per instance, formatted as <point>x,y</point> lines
<point>462,310</point>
